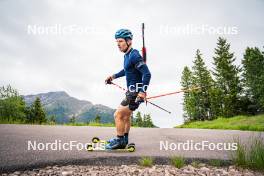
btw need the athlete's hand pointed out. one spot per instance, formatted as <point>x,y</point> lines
<point>109,79</point>
<point>141,97</point>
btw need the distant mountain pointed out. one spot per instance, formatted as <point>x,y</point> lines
<point>64,106</point>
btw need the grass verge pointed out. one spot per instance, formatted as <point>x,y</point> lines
<point>250,155</point>
<point>246,123</point>
<point>146,161</point>
<point>177,161</point>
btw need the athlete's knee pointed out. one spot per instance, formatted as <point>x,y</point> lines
<point>118,114</point>
<point>127,118</point>
<point>121,113</point>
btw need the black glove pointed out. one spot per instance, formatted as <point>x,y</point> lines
<point>109,80</point>
<point>139,99</point>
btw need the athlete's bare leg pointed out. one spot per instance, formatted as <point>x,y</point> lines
<point>122,120</point>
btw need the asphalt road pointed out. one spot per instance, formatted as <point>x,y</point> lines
<point>15,140</point>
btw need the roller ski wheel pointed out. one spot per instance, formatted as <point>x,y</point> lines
<point>89,147</point>
<point>95,146</point>
<point>131,147</point>
<point>95,140</point>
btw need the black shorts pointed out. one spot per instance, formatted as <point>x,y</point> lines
<point>130,100</point>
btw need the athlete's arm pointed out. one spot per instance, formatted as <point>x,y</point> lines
<point>146,75</point>
<point>119,74</point>
<point>109,79</point>
<point>143,68</point>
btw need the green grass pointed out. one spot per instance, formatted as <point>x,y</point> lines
<point>246,123</point>
<point>66,124</point>
<point>215,162</point>
<point>239,156</point>
<point>251,156</point>
<point>146,161</point>
<point>177,161</point>
<point>53,123</point>
<point>12,121</point>
<point>90,124</point>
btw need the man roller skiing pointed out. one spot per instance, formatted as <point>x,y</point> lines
<point>137,78</point>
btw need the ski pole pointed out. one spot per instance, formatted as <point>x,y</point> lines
<point>158,107</point>
<point>144,51</point>
<point>145,100</point>
<point>171,93</point>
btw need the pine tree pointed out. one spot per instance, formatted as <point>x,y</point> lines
<point>189,105</point>
<point>144,124</point>
<point>97,119</point>
<point>253,77</point>
<point>215,106</point>
<point>29,114</point>
<point>202,78</point>
<point>226,74</point>
<point>39,115</point>
<point>149,122</point>
<point>73,119</point>
<point>139,121</point>
<point>52,119</point>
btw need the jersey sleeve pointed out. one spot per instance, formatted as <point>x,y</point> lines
<point>120,74</point>
<point>141,66</point>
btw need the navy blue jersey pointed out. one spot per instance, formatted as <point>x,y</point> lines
<point>136,71</point>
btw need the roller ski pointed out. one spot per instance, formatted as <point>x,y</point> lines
<point>114,144</point>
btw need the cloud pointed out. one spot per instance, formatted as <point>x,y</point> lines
<point>78,63</point>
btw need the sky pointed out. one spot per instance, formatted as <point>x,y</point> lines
<point>68,45</point>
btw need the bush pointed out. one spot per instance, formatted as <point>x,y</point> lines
<point>146,161</point>
<point>177,161</point>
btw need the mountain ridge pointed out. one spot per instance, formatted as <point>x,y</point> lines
<point>64,106</point>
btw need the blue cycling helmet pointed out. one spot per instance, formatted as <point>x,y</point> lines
<point>124,33</point>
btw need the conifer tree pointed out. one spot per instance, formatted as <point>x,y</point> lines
<point>253,77</point>
<point>202,79</point>
<point>39,115</point>
<point>226,75</point>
